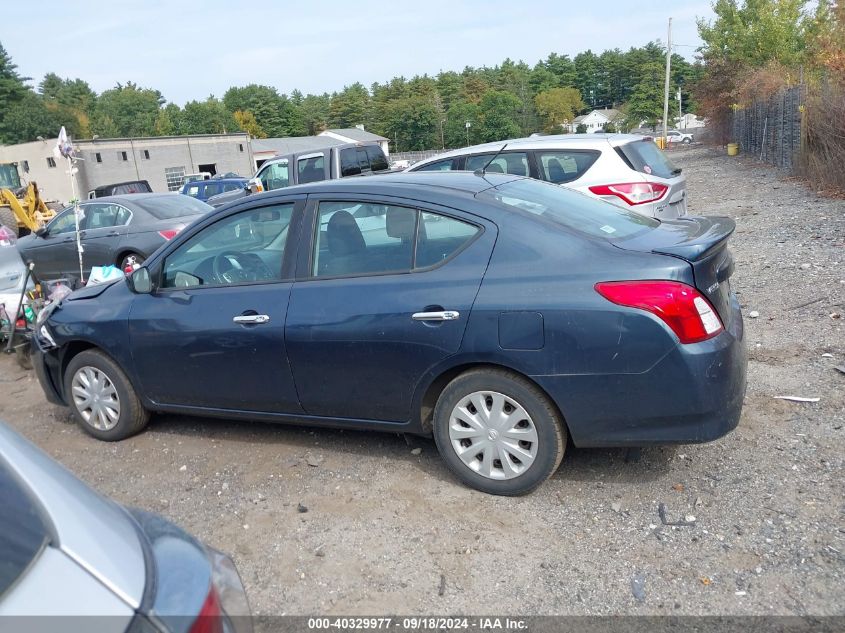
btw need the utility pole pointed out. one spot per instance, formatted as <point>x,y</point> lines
<point>666,85</point>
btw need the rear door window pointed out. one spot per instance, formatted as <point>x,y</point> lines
<point>515,163</point>
<point>212,189</point>
<point>645,157</point>
<point>440,165</point>
<point>311,169</point>
<point>349,162</point>
<point>362,238</point>
<point>564,166</point>
<point>22,532</point>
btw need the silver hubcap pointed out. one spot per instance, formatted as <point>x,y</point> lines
<point>95,398</point>
<point>493,435</point>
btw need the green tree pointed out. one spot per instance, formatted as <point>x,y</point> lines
<point>558,106</point>
<point>207,117</point>
<point>646,101</point>
<point>455,130</point>
<point>315,112</point>
<point>755,32</point>
<point>350,107</point>
<point>266,104</point>
<point>499,113</point>
<point>126,110</point>
<point>28,118</point>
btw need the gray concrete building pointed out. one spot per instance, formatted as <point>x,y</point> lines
<point>163,161</point>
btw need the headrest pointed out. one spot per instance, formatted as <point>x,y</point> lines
<point>401,222</point>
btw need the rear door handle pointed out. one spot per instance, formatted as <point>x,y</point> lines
<point>444,315</point>
<point>251,318</point>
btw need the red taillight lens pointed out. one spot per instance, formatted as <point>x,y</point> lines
<point>169,234</point>
<point>210,617</point>
<point>633,192</point>
<point>681,307</point>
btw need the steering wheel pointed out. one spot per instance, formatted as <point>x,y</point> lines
<point>227,269</point>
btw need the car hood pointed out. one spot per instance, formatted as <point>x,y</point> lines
<point>98,534</point>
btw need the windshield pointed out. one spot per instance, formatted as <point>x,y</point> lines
<point>569,209</point>
<point>22,533</point>
<point>645,157</point>
<point>167,207</point>
<point>9,178</point>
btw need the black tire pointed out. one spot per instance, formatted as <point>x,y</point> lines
<point>550,429</point>
<point>129,257</point>
<point>8,219</point>
<point>687,141</point>
<point>132,417</point>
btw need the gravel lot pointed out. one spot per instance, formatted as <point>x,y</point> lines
<point>388,530</point>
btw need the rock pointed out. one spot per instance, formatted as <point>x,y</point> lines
<point>690,518</point>
<point>246,526</point>
<point>753,314</point>
<point>301,508</point>
<point>416,451</point>
<point>319,552</point>
<point>313,460</point>
<point>183,468</point>
<point>638,587</point>
<point>698,502</point>
<point>225,485</point>
<point>616,506</point>
<point>805,266</point>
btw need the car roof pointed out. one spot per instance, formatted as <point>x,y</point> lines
<point>130,198</point>
<point>455,182</point>
<point>552,141</point>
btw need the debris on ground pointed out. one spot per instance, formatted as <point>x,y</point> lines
<point>797,398</point>
<point>661,512</point>
<point>416,451</point>
<point>301,508</point>
<point>638,587</point>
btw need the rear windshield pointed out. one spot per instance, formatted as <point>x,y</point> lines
<point>645,157</point>
<point>175,206</point>
<point>22,533</point>
<point>570,209</point>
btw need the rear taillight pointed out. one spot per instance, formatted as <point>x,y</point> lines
<point>632,192</point>
<point>683,308</point>
<point>210,617</point>
<point>169,234</point>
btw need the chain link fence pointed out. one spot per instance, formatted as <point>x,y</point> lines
<point>770,129</point>
<point>415,157</point>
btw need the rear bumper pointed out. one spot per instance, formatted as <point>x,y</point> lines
<point>692,395</point>
<point>46,367</point>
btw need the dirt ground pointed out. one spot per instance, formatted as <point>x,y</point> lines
<point>388,531</point>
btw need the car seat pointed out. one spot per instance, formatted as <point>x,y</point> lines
<point>346,245</point>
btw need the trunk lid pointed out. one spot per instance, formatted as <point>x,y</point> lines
<point>703,243</point>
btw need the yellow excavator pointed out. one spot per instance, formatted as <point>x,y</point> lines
<point>21,208</point>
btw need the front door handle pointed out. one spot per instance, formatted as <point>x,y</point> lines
<point>443,315</point>
<point>251,319</point>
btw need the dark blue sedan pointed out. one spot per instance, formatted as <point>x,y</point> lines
<point>500,314</point>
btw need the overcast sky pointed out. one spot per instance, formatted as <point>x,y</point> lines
<point>188,50</point>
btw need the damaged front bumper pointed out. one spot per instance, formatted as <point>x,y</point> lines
<point>47,365</point>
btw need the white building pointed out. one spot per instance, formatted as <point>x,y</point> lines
<point>596,120</point>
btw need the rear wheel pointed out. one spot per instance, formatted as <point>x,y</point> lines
<point>101,397</point>
<point>687,141</point>
<point>497,432</point>
<point>8,219</point>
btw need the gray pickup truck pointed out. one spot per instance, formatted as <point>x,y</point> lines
<point>337,161</point>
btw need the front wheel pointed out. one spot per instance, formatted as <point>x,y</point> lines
<point>497,432</point>
<point>101,397</point>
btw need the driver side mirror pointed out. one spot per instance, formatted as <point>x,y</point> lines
<point>254,186</point>
<point>41,232</point>
<point>140,281</point>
